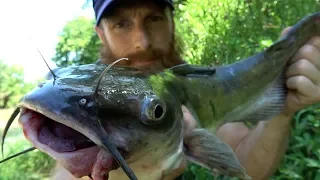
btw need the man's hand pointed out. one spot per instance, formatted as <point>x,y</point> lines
<point>303,77</point>
<point>252,146</point>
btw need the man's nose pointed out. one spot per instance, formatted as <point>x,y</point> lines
<point>142,40</point>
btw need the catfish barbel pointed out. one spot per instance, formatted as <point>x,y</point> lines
<point>92,122</point>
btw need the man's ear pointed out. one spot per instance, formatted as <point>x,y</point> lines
<point>101,35</point>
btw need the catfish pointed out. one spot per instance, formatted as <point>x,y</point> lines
<point>117,122</point>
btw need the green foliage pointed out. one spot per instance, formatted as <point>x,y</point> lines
<point>34,165</point>
<point>12,85</point>
<point>302,160</point>
<point>196,172</point>
<point>78,43</point>
<point>221,32</point>
<point>216,32</point>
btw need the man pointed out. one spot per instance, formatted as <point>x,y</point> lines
<point>143,31</point>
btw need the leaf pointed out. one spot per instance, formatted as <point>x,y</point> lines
<point>78,43</point>
<point>312,163</point>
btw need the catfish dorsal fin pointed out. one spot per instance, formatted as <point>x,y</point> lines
<point>193,70</point>
<point>207,150</point>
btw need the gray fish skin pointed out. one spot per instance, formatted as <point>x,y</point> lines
<point>121,98</point>
<point>252,89</point>
<point>246,90</point>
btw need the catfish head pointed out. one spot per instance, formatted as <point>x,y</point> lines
<point>93,125</point>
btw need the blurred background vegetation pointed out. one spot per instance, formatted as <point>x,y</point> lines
<point>211,32</point>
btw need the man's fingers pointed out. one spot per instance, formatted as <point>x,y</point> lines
<point>305,68</point>
<point>294,102</point>
<point>310,52</point>
<point>315,41</point>
<point>189,120</point>
<point>304,86</point>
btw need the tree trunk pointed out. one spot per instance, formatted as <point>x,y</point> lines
<point>6,99</point>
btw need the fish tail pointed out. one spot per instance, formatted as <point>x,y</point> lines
<point>264,75</point>
<point>297,36</point>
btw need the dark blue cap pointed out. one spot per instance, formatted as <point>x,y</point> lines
<point>100,6</point>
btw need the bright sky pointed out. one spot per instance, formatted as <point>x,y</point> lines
<point>31,24</point>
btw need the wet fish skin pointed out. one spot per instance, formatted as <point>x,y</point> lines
<point>118,110</point>
<point>248,90</point>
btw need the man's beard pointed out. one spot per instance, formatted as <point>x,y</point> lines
<point>162,60</point>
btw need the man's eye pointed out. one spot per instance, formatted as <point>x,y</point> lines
<point>122,24</point>
<point>156,18</point>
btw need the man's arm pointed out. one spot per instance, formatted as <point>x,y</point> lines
<point>260,150</point>
<point>59,173</point>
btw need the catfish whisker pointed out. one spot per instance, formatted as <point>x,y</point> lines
<point>18,154</point>
<point>109,146</point>
<point>6,129</point>
<point>104,71</point>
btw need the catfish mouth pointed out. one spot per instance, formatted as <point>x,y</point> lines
<point>61,138</point>
<point>73,150</point>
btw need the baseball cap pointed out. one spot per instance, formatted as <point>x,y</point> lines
<point>100,6</point>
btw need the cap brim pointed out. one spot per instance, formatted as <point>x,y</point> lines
<point>101,10</point>
<point>109,2</point>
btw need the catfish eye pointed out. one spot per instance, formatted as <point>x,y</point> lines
<point>83,102</point>
<point>152,111</point>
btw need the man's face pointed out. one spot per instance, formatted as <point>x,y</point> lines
<point>143,33</point>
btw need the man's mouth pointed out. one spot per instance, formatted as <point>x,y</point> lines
<point>71,149</point>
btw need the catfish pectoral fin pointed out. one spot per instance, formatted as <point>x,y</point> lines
<point>205,149</point>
